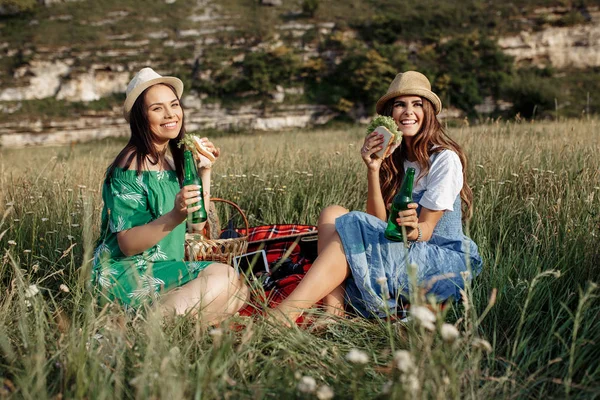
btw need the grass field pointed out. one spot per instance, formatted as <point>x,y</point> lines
<point>536,220</point>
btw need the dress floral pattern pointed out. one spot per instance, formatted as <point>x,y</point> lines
<point>132,200</point>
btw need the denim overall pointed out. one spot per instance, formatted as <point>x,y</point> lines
<point>371,257</point>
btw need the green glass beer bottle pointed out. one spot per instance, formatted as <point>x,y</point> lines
<point>190,177</point>
<point>393,231</point>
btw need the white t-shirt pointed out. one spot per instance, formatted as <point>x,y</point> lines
<point>443,182</point>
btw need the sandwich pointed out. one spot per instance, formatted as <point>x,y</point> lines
<point>193,143</point>
<point>391,136</point>
<point>201,149</point>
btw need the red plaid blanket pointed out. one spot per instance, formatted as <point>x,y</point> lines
<point>279,241</point>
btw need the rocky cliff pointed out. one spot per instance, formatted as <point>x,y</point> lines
<point>558,47</point>
<point>81,73</point>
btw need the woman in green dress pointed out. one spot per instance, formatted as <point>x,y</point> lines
<point>140,254</point>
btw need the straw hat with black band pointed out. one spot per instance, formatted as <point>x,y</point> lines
<point>410,83</point>
<point>145,78</point>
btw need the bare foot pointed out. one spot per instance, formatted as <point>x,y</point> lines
<point>278,317</point>
<point>321,324</point>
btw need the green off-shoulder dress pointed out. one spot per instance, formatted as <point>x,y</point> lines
<point>132,200</point>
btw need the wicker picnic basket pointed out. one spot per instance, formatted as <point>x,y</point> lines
<point>207,246</point>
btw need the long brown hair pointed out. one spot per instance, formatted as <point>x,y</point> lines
<point>430,139</point>
<point>141,143</point>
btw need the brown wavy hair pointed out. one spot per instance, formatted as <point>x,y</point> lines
<point>431,138</point>
<point>141,143</point>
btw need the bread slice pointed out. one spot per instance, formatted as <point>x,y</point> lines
<point>389,140</point>
<point>203,150</point>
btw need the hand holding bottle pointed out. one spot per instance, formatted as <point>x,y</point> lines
<point>403,212</point>
<point>188,195</point>
<point>409,219</point>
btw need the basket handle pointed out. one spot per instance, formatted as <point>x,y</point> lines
<point>231,203</point>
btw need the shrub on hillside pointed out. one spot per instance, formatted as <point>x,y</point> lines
<point>358,80</point>
<point>16,6</point>
<point>531,94</point>
<point>258,72</point>
<point>309,7</point>
<point>263,70</point>
<point>472,67</point>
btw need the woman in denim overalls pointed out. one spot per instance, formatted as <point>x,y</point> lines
<point>356,262</point>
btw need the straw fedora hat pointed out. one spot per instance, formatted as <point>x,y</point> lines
<point>410,83</point>
<point>145,78</point>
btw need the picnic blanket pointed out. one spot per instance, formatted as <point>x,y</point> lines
<point>290,251</point>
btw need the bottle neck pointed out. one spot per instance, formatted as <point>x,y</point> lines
<point>189,167</point>
<point>408,182</point>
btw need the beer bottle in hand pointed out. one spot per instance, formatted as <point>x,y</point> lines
<point>393,231</point>
<point>190,177</point>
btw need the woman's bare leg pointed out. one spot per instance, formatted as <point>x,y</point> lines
<point>217,293</point>
<point>327,273</point>
<point>334,301</point>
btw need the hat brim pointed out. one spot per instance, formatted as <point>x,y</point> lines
<point>135,93</point>
<point>428,94</point>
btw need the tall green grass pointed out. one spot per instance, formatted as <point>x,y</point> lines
<point>536,220</point>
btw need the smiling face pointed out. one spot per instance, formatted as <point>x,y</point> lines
<point>164,113</point>
<point>408,113</point>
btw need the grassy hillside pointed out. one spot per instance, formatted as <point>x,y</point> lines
<point>536,222</point>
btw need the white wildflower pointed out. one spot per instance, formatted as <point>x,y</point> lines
<point>31,291</point>
<point>27,251</point>
<point>412,268</point>
<point>449,333</point>
<point>174,352</point>
<point>64,288</point>
<point>44,219</point>
<point>404,361</point>
<point>482,344</point>
<point>307,384</point>
<point>325,393</point>
<point>216,332</point>
<point>387,387</point>
<point>356,356</point>
<point>382,280</point>
<point>217,335</point>
<point>465,275</point>
<point>411,384</point>
<point>424,317</point>
<point>12,243</point>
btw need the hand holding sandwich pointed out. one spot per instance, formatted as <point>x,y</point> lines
<point>205,152</point>
<point>382,139</point>
<point>372,144</point>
